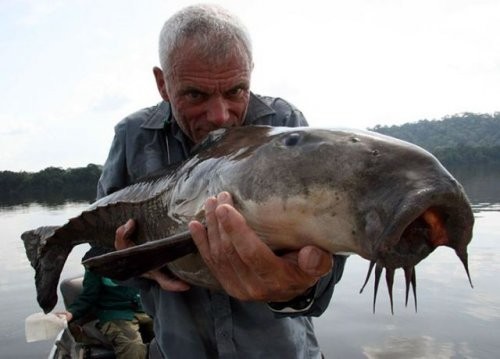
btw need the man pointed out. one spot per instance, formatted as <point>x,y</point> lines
<point>204,80</point>
<point>118,309</point>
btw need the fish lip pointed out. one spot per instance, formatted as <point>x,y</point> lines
<point>451,204</point>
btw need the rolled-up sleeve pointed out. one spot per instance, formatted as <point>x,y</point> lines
<point>315,302</point>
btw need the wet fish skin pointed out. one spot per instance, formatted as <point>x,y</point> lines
<point>386,200</point>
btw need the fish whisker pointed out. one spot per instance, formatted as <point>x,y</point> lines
<point>378,273</point>
<point>411,280</point>
<point>370,268</point>
<point>389,278</point>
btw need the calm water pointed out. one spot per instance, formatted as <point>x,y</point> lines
<point>453,320</point>
<point>17,289</point>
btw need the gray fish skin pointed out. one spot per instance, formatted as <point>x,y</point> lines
<point>359,192</point>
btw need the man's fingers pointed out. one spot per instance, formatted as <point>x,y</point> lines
<point>64,315</point>
<point>244,265</point>
<point>124,234</point>
<point>199,235</point>
<point>166,282</point>
<point>123,240</point>
<point>248,246</point>
<point>315,261</point>
<point>212,230</point>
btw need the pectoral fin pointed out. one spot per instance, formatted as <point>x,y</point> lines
<point>134,261</point>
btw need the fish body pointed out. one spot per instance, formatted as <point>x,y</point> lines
<point>389,201</point>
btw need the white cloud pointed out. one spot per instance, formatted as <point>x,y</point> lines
<point>75,67</point>
<point>36,11</point>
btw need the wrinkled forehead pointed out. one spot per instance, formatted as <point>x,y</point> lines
<point>212,50</point>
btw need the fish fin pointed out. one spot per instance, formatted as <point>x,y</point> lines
<point>34,240</point>
<point>389,278</point>
<point>48,261</point>
<point>163,172</point>
<point>134,261</point>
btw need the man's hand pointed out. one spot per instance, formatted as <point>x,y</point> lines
<point>65,314</point>
<point>122,241</point>
<point>246,267</point>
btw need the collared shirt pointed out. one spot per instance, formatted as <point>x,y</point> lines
<point>201,323</point>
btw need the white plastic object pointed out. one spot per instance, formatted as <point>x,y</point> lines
<point>40,326</point>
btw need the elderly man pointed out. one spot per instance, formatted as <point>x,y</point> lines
<point>265,312</point>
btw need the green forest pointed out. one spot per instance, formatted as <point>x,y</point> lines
<point>51,185</point>
<point>460,140</point>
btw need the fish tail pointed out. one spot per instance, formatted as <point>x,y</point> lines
<point>48,261</point>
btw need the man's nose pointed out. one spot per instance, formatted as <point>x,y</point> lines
<point>218,111</point>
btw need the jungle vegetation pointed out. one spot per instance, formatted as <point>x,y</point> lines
<point>51,185</point>
<point>462,139</point>
<point>467,139</point>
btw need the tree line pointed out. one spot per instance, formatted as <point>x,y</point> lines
<point>51,185</point>
<point>461,139</point>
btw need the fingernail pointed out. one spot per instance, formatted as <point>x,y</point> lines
<point>313,260</point>
<point>210,204</point>
<point>223,197</point>
<point>222,213</point>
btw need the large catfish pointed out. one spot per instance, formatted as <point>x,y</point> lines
<point>386,200</point>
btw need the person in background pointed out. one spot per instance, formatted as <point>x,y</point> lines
<point>266,309</point>
<point>120,316</point>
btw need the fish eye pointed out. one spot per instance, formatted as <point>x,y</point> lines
<point>292,139</point>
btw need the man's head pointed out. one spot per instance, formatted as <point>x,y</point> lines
<point>206,59</point>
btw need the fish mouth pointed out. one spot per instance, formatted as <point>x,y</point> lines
<point>446,222</point>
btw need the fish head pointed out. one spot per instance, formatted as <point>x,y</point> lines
<point>360,192</point>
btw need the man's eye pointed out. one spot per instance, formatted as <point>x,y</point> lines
<point>235,92</point>
<point>194,95</point>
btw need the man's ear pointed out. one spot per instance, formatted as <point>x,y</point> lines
<point>160,82</point>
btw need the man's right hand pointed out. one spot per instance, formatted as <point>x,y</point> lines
<point>123,240</point>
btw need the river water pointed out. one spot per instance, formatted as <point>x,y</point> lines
<point>453,320</point>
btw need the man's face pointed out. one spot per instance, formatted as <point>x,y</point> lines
<point>204,96</point>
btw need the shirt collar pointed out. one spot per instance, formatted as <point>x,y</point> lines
<point>256,109</point>
<point>159,117</point>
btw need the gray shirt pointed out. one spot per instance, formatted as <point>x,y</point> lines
<point>201,323</point>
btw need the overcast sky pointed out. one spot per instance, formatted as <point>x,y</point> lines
<point>69,70</point>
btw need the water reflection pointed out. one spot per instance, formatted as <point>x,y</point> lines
<point>453,320</point>
<point>47,199</point>
<point>486,207</point>
<point>418,347</point>
<point>481,182</point>
<point>17,289</point>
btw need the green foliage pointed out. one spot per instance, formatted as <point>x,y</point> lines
<point>462,139</point>
<point>459,139</point>
<point>51,185</point>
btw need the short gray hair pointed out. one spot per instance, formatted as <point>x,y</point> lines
<point>214,30</point>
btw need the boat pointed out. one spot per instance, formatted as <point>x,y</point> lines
<point>82,339</point>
